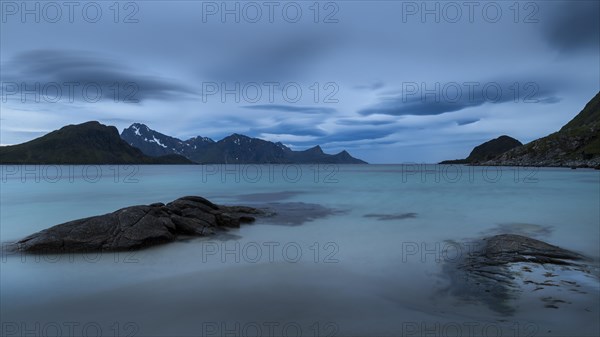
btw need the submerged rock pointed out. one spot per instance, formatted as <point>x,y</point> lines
<point>510,248</point>
<point>493,272</point>
<point>138,227</point>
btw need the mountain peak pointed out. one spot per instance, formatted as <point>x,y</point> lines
<point>236,138</point>
<point>88,129</point>
<point>235,148</point>
<point>237,135</point>
<point>282,146</point>
<point>89,123</point>
<point>316,149</point>
<point>488,150</point>
<point>493,148</point>
<point>200,138</point>
<point>137,129</point>
<point>86,143</point>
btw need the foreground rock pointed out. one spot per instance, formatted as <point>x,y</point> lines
<point>138,227</point>
<point>510,248</point>
<point>502,266</point>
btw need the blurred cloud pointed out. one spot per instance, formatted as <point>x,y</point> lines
<point>467,121</point>
<point>280,58</point>
<point>427,99</point>
<point>369,54</point>
<point>291,108</point>
<point>573,26</point>
<point>46,66</point>
<point>371,86</point>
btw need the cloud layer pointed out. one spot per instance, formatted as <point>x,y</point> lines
<point>394,81</point>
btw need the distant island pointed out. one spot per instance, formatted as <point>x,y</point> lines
<point>95,143</point>
<point>577,144</point>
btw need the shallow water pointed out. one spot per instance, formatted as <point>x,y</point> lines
<point>361,252</point>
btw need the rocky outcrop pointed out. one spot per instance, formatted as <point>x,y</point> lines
<point>488,150</point>
<point>569,148</point>
<point>502,249</point>
<point>137,227</point>
<point>493,271</point>
<point>577,144</point>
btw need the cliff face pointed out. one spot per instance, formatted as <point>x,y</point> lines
<point>577,144</point>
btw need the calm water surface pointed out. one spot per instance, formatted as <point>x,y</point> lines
<point>369,263</point>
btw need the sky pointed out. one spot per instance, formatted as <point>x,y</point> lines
<point>389,81</point>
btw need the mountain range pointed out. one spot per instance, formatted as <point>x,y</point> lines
<point>576,144</point>
<point>87,143</point>
<point>95,143</point>
<point>233,149</point>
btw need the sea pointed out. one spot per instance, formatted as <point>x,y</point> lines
<point>355,250</point>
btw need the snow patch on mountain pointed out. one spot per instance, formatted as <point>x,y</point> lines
<point>136,130</point>
<point>157,141</point>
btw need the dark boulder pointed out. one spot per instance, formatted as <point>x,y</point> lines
<point>510,248</point>
<point>138,227</point>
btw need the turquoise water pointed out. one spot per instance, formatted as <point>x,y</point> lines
<point>336,275</point>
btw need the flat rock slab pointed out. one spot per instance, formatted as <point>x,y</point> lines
<point>138,227</point>
<point>494,272</point>
<point>509,248</point>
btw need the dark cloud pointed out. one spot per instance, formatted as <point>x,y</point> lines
<point>550,100</point>
<point>371,86</point>
<point>573,26</point>
<point>360,134</point>
<point>323,137</point>
<point>68,66</point>
<point>290,128</point>
<point>420,99</point>
<point>350,135</point>
<point>361,121</point>
<point>417,107</point>
<point>369,53</point>
<point>467,121</point>
<point>292,108</point>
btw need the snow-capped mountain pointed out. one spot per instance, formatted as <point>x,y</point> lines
<point>233,149</point>
<point>82,144</point>
<point>154,143</point>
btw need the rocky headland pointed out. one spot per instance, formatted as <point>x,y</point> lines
<point>575,145</point>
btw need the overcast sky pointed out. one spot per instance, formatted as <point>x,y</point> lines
<point>389,81</point>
